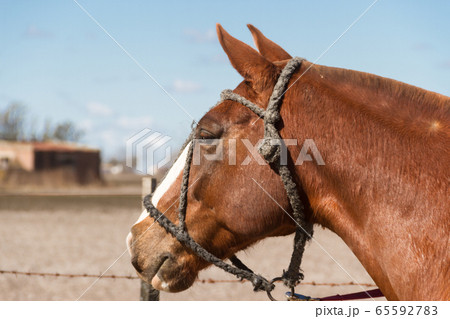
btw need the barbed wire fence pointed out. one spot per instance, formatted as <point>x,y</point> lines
<point>130,277</point>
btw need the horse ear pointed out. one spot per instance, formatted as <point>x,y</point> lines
<point>247,61</point>
<point>270,50</point>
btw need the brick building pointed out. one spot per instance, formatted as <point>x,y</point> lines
<point>82,163</point>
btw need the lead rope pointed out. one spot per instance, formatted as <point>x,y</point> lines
<point>270,150</point>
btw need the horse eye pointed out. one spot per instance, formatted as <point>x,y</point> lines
<point>205,134</point>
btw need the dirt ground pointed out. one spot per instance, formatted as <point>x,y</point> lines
<point>86,234</point>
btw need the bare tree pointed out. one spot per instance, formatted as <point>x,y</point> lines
<point>47,131</point>
<point>12,122</point>
<point>67,131</point>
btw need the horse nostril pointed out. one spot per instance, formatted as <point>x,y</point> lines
<point>135,263</point>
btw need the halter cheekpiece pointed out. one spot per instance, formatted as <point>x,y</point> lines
<point>270,150</point>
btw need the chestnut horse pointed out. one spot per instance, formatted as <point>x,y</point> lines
<point>383,188</point>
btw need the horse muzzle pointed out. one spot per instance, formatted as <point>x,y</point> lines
<point>168,274</point>
<point>164,269</point>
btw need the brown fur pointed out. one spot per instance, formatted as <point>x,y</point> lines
<point>383,189</point>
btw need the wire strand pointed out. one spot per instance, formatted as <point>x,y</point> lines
<point>131,277</point>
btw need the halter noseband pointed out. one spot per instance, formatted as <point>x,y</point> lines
<point>270,150</point>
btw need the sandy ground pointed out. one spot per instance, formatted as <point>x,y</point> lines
<point>86,234</point>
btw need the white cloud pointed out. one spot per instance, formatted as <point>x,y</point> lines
<point>198,36</point>
<point>219,58</point>
<point>86,124</point>
<point>108,135</point>
<point>34,32</point>
<point>185,86</point>
<point>421,46</point>
<point>111,142</point>
<point>95,108</point>
<point>134,123</point>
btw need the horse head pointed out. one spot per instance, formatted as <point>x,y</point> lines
<point>227,211</point>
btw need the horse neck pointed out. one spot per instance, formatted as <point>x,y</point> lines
<point>366,190</point>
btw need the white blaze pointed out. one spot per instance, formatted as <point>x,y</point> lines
<point>171,176</point>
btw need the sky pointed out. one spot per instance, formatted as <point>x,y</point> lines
<point>62,65</point>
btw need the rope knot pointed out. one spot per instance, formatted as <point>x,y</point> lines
<point>270,150</point>
<point>272,117</point>
<point>260,283</point>
<point>292,279</point>
<point>257,283</point>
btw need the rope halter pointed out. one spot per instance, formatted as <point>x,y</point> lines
<point>270,150</point>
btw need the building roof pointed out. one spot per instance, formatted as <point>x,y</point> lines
<point>61,147</point>
<point>49,146</point>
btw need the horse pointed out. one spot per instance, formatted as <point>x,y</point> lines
<point>382,187</point>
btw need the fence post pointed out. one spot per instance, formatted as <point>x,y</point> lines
<point>148,293</point>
